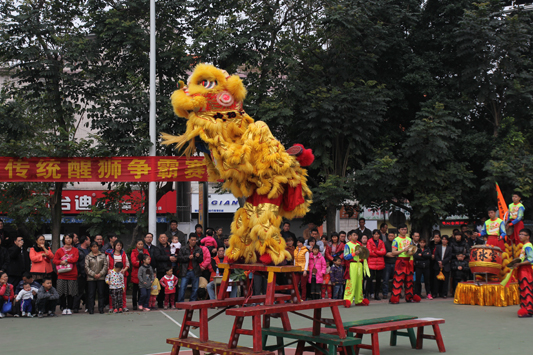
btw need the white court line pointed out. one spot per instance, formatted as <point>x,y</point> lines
<point>179,325</point>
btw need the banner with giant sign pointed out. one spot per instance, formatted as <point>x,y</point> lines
<point>114,169</point>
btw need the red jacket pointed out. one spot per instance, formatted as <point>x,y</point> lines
<point>10,294</point>
<point>170,284</point>
<point>111,261</point>
<point>40,263</point>
<point>376,260</point>
<point>136,263</point>
<point>340,249</point>
<point>72,259</point>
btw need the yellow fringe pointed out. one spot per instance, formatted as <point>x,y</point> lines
<point>487,295</point>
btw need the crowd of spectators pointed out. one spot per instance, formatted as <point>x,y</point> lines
<point>94,272</point>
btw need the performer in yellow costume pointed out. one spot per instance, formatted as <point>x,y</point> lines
<point>245,154</point>
<point>353,294</point>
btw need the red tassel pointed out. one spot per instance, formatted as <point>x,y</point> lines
<point>266,259</point>
<point>306,157</point>
<point>394,299</point>
<point>416,298</point>
<point>347,303</point>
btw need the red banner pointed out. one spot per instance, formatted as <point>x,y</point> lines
<point>115,169</point>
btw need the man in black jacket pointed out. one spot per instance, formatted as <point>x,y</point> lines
<point>190,258</point>
<point>19,261</point>
<point>4,257</point>
<point>83,251</point>
<point>286,232</point>
<point>161,253</point>
<point>443,258</point>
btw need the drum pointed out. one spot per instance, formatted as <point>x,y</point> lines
<point>485,259</point>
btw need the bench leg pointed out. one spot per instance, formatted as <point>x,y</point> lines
<point>419,337</point>
<point>279,342</point>
<point>300,348</point>
<point>412,337</point>
<point>195,352</point>
<point>393,337</point>
<point>356,348</point>
<point>258,343</point>
<point>187,317</point>
<point>338,321</point>
<point>375,344</point>
<point>285,321</point>
<point>175,350</point>
<point>332,350</point>
<point>271,289</point>
<point>317,314</point>
<point>234,337</point>
<point>438,338</point>
<point>295,294</point>
<point>204,327</point>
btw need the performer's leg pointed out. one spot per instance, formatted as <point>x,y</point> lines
<point>358,283</point>
<point>525,281</point>
<point>397,281</point>
<point>349,293</point>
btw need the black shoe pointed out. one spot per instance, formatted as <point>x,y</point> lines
<point>101,311</point>
<point>134,308</point>
<point>91,312</point>
<point>40,315</point>
<point>75,311</point>
<point>377,298</point>
<point>50,314</point>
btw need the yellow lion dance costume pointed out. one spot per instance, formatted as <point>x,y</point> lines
<point>245,154</point>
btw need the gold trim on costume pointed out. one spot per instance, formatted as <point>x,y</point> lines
<point>484,264</point>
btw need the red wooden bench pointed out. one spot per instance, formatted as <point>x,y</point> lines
<point>282,310</point>
<point>204,306</point>
<point>420,323</point>
<point>211,346</point>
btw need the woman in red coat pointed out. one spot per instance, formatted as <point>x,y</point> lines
<point>119,255</point>
<point>376,261</point>
<point>335,248</point>
<point>66,260</point>
<point>136,262</point>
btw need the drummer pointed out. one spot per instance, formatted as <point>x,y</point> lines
<point>516,215</point>
<point>494,229</point>
<point>403,269</point>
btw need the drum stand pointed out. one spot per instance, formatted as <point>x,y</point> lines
<point>481,273</point>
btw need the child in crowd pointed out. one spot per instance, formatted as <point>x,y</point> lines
<point>115,280</point>
<point>317,265</point>
<point>326,284</point>
<point>25,296</point>
<point>208,241</point>
<point>422,260</point>
<point>175,247</point>
<point>156,287</point>
<point>146,278</point>
<point>169,283</point>
<point>337,278</point>
<point>460,270</point>
<point>47,298</point>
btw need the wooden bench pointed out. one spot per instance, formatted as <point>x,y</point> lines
<point>326,343</point>
<point>196,345</point>
<point>282,310</point>
<point>380,320</point>
<point>416,342</point>
<point>204,307</point>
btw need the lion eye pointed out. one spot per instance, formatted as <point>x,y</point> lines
<point>208,84</point>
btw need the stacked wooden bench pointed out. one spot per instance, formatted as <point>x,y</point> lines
<point>394,324</point>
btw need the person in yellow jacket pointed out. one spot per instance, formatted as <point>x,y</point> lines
<point>156,287</point>
<point>353,294</point>
<point>516,216</point>
<point>301,258</point>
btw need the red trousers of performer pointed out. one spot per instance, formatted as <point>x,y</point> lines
<point>403,275</point>
<point>328,288</point>
<point>494,240</point>
<point>516,229</point>
<point>525,284</point>
<point>298,276</point>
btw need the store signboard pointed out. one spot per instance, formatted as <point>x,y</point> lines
<point>218,203</point>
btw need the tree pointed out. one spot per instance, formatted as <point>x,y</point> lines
<point>43,43</point>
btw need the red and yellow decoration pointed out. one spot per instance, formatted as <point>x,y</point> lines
<point>114,169</point>
<point>245,154</point>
